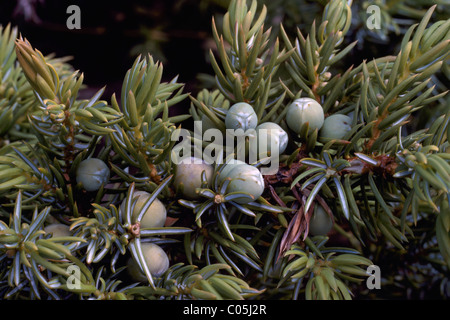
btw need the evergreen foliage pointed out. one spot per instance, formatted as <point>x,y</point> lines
<point>385,184</point>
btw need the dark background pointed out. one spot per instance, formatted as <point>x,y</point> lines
<point>113,33</point>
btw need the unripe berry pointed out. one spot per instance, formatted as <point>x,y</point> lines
<point>336,126</point>
<point>320,223</point>
<point>302,111</point>
<point>58,230</point>
<point>154,217</point>
<point>92,173</point>
<point>246,178</point>
<point>156,259</point>
<point>241,116</point>
<point>230,165</point>
<point>268,133</point>
<point>189,174</point>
